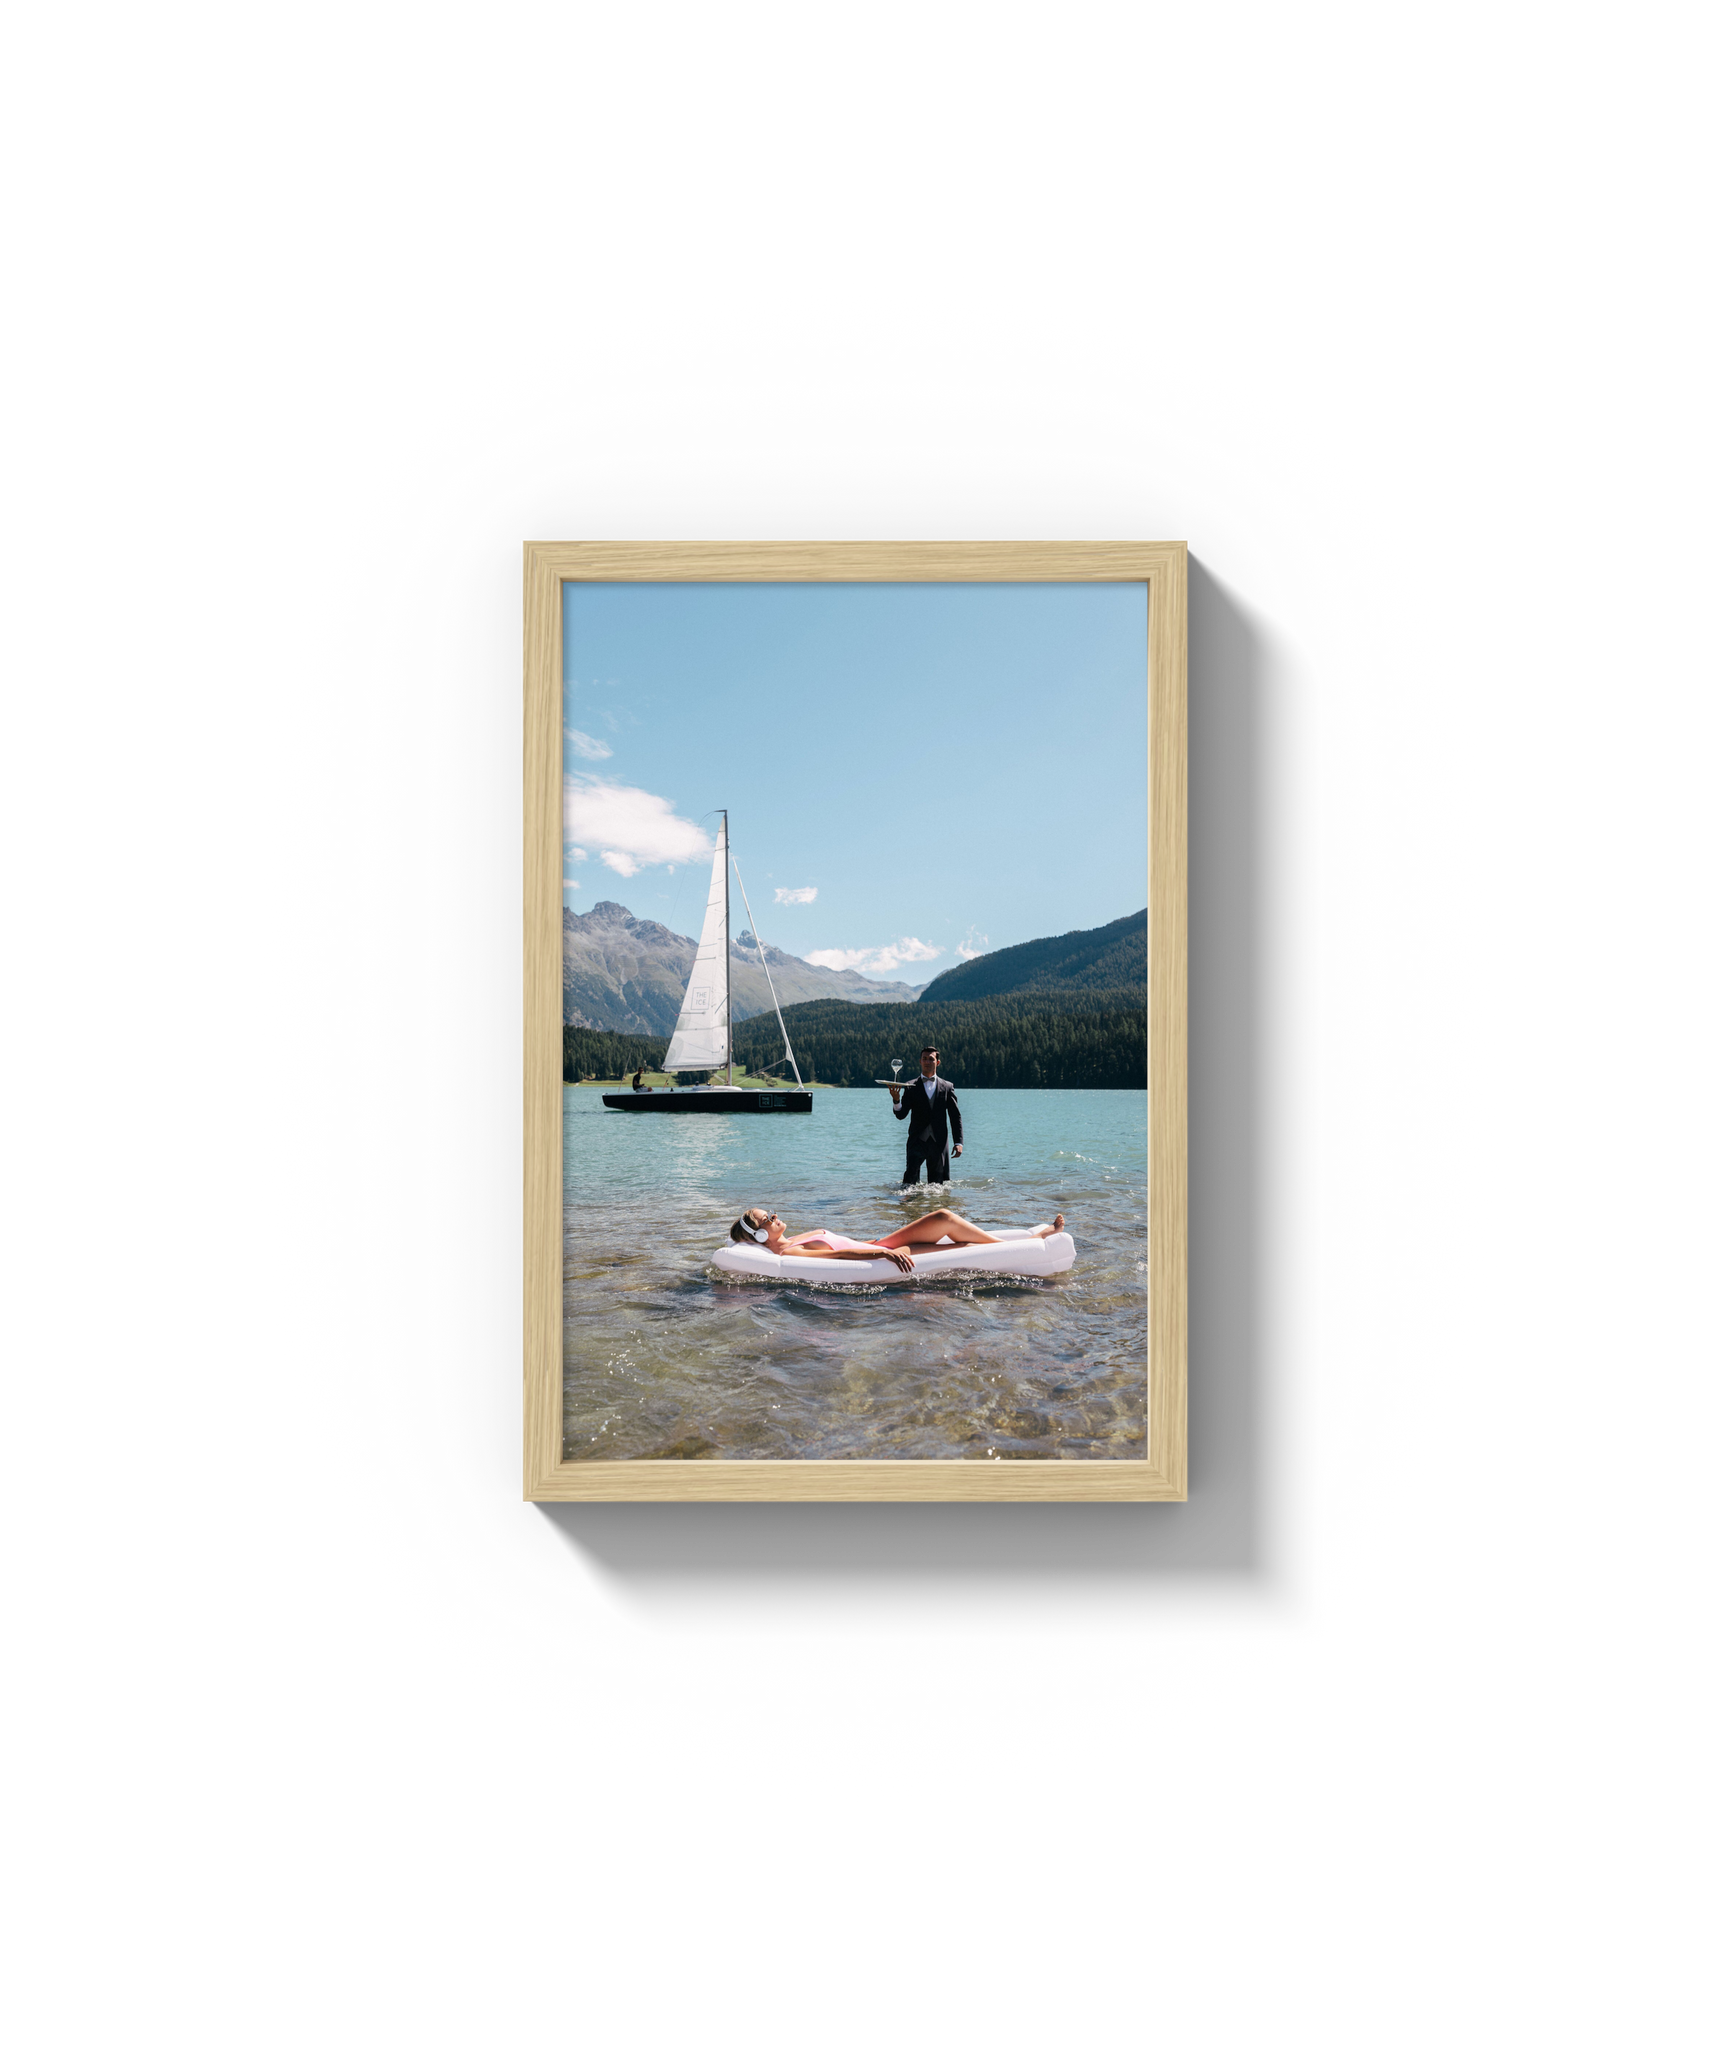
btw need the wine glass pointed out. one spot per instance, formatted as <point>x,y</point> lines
<point>895,1067</point>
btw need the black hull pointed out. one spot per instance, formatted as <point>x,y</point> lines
<point>743,1102</point>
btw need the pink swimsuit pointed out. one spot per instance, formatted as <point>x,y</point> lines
<point>831,1241</point>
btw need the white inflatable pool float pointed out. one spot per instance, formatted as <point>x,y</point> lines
<point>1019,1253</point>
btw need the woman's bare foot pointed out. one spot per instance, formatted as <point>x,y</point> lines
<point>1049,1229</point>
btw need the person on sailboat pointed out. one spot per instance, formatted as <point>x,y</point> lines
<point>764,1227</point>
<point>638,1082</point>
<point>931,1104</point>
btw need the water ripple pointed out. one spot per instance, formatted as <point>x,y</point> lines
<point>665,1356</point>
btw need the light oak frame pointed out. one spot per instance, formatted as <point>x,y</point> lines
<point>1162,1474</point>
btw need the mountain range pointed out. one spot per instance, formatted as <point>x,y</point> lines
<point>1110,956</point>
<point>626,973</point>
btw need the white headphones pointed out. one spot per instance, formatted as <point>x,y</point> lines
<point>762,1236</point>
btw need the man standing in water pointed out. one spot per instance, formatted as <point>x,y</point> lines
<point>931,1104</point>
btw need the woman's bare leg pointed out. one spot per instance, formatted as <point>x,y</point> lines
<point>945,1223</point>
<point>925,1230</point>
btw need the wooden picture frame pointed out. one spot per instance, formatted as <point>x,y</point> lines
<point>1161,1475</point>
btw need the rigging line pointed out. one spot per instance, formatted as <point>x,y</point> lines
<point>765,958</point>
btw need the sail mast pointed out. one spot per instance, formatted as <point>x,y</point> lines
<point>727,950</point>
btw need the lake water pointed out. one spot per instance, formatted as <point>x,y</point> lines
<point>666,1356</point>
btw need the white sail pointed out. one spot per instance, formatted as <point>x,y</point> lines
<point>701,1031</point>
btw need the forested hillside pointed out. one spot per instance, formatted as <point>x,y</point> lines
<point>1075,1038</point>
<point>607,1054</point>
<point>1071,1038</point>
<point>1111,956</point>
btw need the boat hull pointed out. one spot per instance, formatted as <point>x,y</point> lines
<point>718,1102</point>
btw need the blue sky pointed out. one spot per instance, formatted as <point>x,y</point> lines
<point>914,772</point>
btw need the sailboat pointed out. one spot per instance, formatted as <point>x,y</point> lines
<point>703,1033</point>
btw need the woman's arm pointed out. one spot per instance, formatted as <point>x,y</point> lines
<point>861,1251</point>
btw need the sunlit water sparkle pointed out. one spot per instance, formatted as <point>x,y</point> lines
<point>664,1355</point>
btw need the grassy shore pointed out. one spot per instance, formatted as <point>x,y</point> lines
<point>742,1079</point>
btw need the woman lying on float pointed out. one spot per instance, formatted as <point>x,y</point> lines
<point>765,1229</point>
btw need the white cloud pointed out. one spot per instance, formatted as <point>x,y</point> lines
<point>874,960</point>
<point>796,895</point>
<point>628,829</point>
<point>586,748</point>
<point>565,884</point>
<point>974,944</point>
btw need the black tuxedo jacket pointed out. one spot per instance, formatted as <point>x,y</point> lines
<point>933,1109</point>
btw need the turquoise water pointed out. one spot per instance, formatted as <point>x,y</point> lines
<point>666,1356</point>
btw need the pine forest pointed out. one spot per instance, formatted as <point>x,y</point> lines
<point>1078,1038</point>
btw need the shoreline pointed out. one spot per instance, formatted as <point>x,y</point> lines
<point>660,1081</point>
<point>836,1088</point>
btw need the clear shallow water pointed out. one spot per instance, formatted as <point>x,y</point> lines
<point>666,1356</point>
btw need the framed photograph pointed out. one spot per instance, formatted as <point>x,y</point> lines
<point>856,1021</point>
